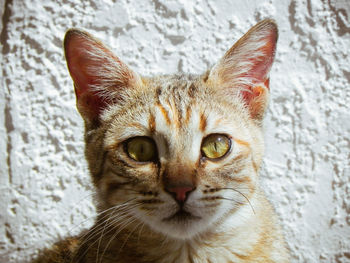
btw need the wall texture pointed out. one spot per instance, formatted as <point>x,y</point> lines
<point>45,190</point>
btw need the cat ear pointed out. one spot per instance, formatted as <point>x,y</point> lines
<point>245,67</point>
<point>99,76</point>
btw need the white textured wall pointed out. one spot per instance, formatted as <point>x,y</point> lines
<point>45,191</point>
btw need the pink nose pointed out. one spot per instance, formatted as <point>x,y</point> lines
<point>180,193</point>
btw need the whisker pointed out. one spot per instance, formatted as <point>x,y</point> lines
<point>138,238</point>
<point>124,225</point>
<point>240,202</point>
<point>100,239</point>
<point>89,218</point>
<point>121,219</point>
<point>257,192</point>
<point>229,199</point>
<point>237,191</point>
<point>165,240</point>
<point>121,209</point>
<point>108,223</point>
<point>127,238</point>
<point>115,208</point>
<point>93,234</point>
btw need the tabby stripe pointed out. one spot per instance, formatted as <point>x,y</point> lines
<point>244,143</point>
<point>210,198</point>
<point>230,177</point>
<point>151,201</point>
<point>244,179</point>
<point>192,91</point>
<point>238,168</point>
<point>158,92</point>
<point>237,163</point>
<point>202,122</point>
<point>176,113</point>
<point>113,186</point>
<point>240,157</point>
<point>188,114</point>
<point>165,113</point>
<point>124,163</point>
<point>136,125</point>
<point>255,166</point>
<point>152,123</point>
<point>243,257</point>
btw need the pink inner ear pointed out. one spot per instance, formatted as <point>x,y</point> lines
<point>254,92</point>
<point>78,60</point>
<point>258,74</point>
<point>83,81</point>
<point>262,65</point>
<point>78,50</point>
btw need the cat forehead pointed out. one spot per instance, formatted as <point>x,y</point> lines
<point>167,86</point>
<point>180,95</point>
<point>181,105</point>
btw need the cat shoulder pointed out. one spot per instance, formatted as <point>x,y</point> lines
<point>61,252</point>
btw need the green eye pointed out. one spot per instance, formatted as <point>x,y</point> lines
<point>215,146</point>
<point>141,149</point>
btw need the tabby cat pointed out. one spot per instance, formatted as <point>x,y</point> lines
<point>175,159</point>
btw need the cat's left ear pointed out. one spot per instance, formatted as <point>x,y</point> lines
<point>245,67</point>
<point>100,78</point>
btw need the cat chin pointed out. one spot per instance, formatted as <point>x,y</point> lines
<point>181,230</point>
<point>180,227</point>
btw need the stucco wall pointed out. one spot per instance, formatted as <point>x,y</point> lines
<point>45,190</point>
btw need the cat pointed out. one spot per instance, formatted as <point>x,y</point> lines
<point>175,158</point>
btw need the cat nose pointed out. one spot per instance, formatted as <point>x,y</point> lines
<point>180,193</point>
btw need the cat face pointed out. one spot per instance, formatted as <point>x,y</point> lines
<point>178,153</point>
<point>200,166</point>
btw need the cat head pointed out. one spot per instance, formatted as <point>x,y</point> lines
<point>180,153</point>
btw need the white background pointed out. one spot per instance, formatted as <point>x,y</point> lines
<point>45,190</point>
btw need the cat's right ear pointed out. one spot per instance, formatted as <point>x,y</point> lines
<point>99,76</point>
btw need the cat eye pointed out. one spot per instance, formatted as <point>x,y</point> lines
<point>215,146</point>
<point>141,149</point>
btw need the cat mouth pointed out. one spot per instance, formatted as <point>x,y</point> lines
<point>181,216</point>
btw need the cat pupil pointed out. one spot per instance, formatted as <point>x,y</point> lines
<point>141,149</point>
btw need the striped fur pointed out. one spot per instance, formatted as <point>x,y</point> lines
<point>227,217</point>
